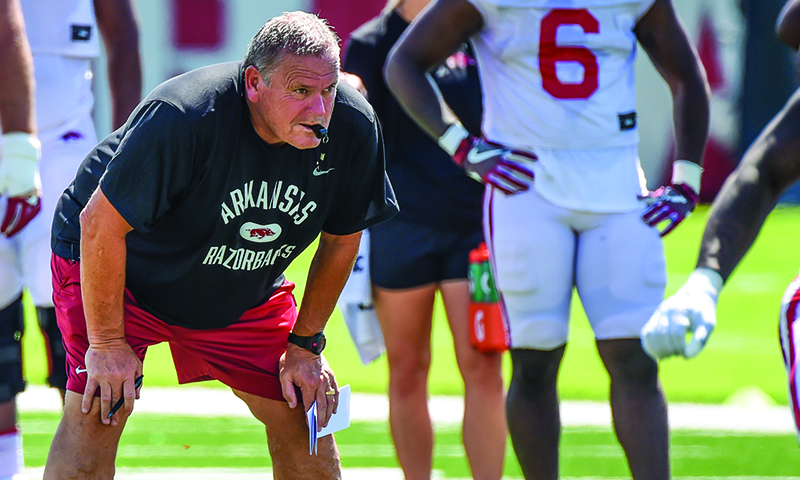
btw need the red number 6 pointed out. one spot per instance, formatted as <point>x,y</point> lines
<point>550,54</point>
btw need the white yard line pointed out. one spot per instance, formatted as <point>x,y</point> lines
<point>191,400</point>
<point>753,416</point>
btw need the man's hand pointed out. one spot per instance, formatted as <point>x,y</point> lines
<point>315,379</point>
<point>671,204</point>
<point>674,203</point>
<point>19,181</point>
<point>503,168</point>
<point>692,309</point>
<point>114,368</point>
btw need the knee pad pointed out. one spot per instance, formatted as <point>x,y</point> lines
<point>12,326</point>
<point>56,355</point>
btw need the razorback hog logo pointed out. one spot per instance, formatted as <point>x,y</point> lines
<point>260,233</point>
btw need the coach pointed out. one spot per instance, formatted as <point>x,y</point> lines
<point>178,228</point>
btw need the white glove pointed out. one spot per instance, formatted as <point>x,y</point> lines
<point>692,309</point>
<point>19,165</point>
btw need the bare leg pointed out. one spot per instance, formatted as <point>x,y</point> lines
<point>484,428</point>
<point>83,448</point>
<point>533,411</point>
<point>405,318</point>
<point>638,406</point>
<point>11,458</point>
<point>287,438</point>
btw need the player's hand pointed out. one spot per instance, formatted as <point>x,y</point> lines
<point>113,368</point>
<point>19,181</point>
<point>312,375</point>
<point>503,168</point>
<point>691,310</point>
<point>671,204</point>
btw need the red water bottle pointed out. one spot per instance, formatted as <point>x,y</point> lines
<point>487,332</point>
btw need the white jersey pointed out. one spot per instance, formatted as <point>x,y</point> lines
<point>63,36</point>
<point>547,64</point>
<point>558,79</point>
<point>61,27</point>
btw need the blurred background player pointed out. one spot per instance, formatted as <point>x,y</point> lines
<point>769,166</point>
<point>20,149</point>
<point>425,249</point>
<point>558,82</point>
<point>63,37</point>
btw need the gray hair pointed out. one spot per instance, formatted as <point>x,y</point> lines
<point>292,33</point>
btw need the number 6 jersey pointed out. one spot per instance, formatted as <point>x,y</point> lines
<point>558,78</point>
<point>545,64</point>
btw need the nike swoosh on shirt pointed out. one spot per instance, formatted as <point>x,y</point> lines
<point>317,172</point>
<point>79,370</point>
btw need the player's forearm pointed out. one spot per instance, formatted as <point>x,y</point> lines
<point>738,213</point>
<point>17,112</point>
<point>691,118</point>
<point>788,25</point>
<point>417,94</point>
<point>125,77</point>
<point>327,275</point>
<point>769,166</point>
<point>120,32</point>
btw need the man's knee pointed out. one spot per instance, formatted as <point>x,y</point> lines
<point>627,362</point>
<point>12,326</point>
<point>293,463</point>
<point>536,369</point>
<point>55,347</point>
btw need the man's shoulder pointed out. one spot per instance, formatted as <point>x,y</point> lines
<point>351,105</point>
<point>200,90</point>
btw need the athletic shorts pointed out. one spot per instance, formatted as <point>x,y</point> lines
<point>542,251</point>
<point>243,356</point>
<point>789,329</point>
<point>405,255</point>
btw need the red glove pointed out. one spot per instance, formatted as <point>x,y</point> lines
<point>501,167</point>
<point>19,212</point>
<point>19,181</point>
<point>672,204</point>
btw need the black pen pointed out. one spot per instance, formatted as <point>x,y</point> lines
<point>121,401</point>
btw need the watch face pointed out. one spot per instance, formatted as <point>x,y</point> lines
<point>317,343</point>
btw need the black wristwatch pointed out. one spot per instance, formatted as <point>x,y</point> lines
<point>315,344</point>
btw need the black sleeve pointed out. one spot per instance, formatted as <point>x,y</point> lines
<point>153,164</point>
<point>367,197</point>
<point>360,58</point>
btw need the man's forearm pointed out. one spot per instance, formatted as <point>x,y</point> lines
<point>327,275</point>
<point>16,75</point>
<point>103,256</point>
<point>102,287</point>
<point>733,224</point>
<point>120,31</point>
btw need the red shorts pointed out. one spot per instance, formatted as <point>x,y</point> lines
<point>243,356</point>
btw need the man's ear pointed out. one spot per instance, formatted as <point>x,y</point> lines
<point>252,82</point>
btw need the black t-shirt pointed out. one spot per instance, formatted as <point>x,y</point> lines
<point>217,213</point>
<point>430,188</point>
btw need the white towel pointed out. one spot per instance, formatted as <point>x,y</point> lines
<point>355,302</point>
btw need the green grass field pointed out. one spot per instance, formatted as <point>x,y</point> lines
<point>743,354</point>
